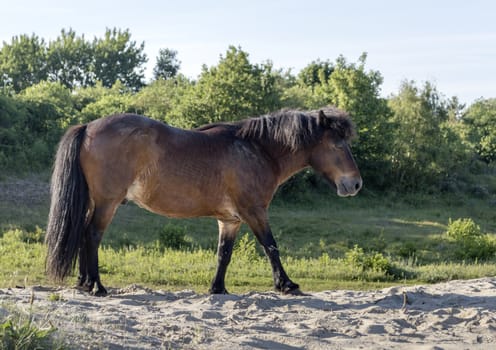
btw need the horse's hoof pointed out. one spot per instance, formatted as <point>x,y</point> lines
<point>101,292</point>
<point>218,291</point>
<point>296,291</point>
<point>84,288</point>
<point>290,288</point>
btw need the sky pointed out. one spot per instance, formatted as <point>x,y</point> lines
<point>450,43</point>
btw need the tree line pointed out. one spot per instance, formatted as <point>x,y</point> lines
<point>416,139</point>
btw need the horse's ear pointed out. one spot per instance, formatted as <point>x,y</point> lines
<point>322,118</point>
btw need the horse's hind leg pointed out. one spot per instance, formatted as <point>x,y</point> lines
<point>227,235</point>
<point>88,257</point>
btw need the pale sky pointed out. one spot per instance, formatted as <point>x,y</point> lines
<point>451,43</point>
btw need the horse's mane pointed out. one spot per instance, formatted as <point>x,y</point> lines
<point>295,129</point>
<point>292,129</point>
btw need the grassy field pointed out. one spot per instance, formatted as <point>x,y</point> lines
<point>326,242</point>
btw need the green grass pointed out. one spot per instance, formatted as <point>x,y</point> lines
<point>23,264</point>
<point>394,239</point>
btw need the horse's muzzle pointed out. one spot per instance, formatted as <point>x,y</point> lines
<point>348,185</point>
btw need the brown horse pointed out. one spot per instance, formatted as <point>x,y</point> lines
<point>228,171</point>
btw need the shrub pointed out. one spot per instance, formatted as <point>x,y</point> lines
<point>469,241</point>
<point>246,248</point>
<point>463,229</point>
<point>173,236</point>
<point>374,261</point>
<point>36,235</point>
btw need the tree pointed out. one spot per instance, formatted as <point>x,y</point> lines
<point>167,65</point>
<point>50,110</point>
<point>10,115</point>
<point>316,73</point>
<point>480,117</point>
<point>73,61</point>
<point>31,125</point>
<point>232,90</point>
<point>23,62</point>
<point>69,60</point>
<point>427,147</point>
<point>161,98</point>
<point>54,93</point>
<point>100,102</point>
<point>116,57</point>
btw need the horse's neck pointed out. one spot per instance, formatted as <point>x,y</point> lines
<point>290,163</point>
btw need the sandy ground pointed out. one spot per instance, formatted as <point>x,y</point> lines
<point>454,315</point>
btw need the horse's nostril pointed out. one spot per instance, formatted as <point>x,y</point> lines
<point>358,185</point>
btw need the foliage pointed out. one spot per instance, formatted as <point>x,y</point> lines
<point>34,236</point>
<point>69,60</point>
<point>427,146</point>
<point>174,237</point>
<point>20,332</point>
<point>73,61</point>
<point>232,90</point>
<point>23,62</point>
<point>116,57</point>
<point>463,229</point>
<point>167,65</point>
<point>375,261</point>
<point>246,249</point>
<point>108,101</point>
<point>470,242</point>
<point>480,117</point>
<point>30,127</point>
<point>316,73</point>
<point>161,99</point>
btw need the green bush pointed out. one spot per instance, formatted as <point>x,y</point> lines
<point>374,261</point>
<point>37,235</point>
<point>463,229</point>
<point>174,237</point>
<point>469,241</point>
<point>246,248</point>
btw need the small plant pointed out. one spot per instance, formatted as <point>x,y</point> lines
<point>36,235</point>
<point>54,297</point>
<point>357,258</point>
<point>20,332</point>
<point>173,236</point>
<point>246,248</point>
<point>407,250</point>
<point>469,241</point>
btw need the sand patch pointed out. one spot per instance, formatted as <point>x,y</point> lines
<point>453,315</point>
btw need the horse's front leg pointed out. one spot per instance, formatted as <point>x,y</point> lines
<point>260,227</point>
<point>227,235</point>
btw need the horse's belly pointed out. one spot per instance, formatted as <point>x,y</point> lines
<point>170,203</point>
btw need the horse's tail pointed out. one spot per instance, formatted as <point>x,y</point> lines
<point>67,220</point>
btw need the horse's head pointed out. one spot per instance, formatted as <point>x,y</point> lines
<point>332,156</point>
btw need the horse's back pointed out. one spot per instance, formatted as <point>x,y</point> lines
<point>122,124</point>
